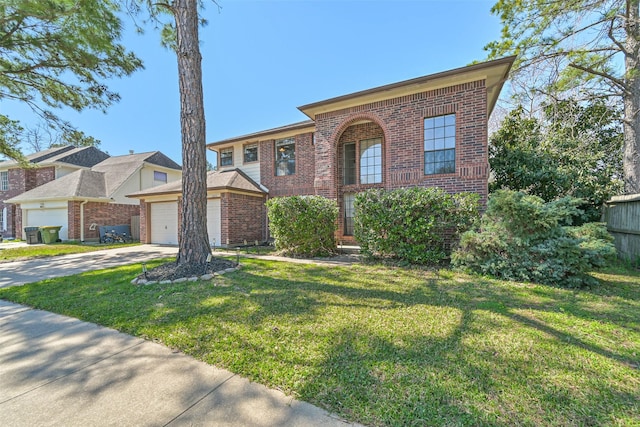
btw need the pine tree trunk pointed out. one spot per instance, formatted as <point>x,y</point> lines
<point>631,158</point>
<point>193,240</point>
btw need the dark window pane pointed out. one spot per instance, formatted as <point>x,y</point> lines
<point>450,155</point>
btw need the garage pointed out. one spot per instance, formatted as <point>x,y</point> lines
<point>47,216</point>
<point>213,222</point>
<point>164,223</point>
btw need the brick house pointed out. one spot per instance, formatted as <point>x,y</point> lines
<point>429,131</point>
<point>46,166</point>
<point>86,196</point>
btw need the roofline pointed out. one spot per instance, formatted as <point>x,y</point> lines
<point>317,107</point>
<point>225,188</point>
<point>273,133</point>
<point>51,199</point>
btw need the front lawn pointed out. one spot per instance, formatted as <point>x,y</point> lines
<point>390,346</point>
<point>40,251</point>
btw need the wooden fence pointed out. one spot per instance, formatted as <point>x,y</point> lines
<point>622,215</point>
<point>135,227</point>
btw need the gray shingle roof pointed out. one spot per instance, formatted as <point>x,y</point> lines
<point>77,156</point>
<point>101,182</point>
<point>78,184</point>
<point>231,179</point>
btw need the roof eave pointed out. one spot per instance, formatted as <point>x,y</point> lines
<point>495,72</point>
<point>275,133</point>
<point>59,199</point>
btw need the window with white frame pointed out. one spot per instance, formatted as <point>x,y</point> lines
<point>440,144</point>
<point>3,219</point>
<point>285,156</point>
<point>4,180</point>
<point>226,157</point>
<point>250,153</point>
<point>159,178</point>
<point>371,161</point>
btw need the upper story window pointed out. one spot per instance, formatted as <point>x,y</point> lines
<point>4,181</point>
<point>226,157</point>
<point>440,144</point>
<point>285,156</point>
<point>371,161</point>
<point>159,178</point>
<point>250,153</point>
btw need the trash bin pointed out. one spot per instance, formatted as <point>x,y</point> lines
<point>33,235</point>
<point>50,233</point>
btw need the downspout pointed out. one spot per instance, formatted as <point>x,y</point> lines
<point>82,220</point>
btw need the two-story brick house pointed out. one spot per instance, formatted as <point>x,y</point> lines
<point>85,199</point>
<point>46,166</point>
<point>430,131</point>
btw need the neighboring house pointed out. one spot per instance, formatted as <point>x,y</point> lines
<point>430,131</point>
<point>87,198</point>
<point>46,166</point>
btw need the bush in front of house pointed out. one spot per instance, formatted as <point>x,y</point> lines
<point>412,225</point>
<point>522,238</point>
<point>303,225</point>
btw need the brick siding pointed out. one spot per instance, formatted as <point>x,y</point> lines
<point>299,183</point>
<point>20,181</point>
<point>399,122</point>
<point>100,214</point>
<point>242,218</point>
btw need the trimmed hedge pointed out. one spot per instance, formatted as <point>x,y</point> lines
<point>303,225</point>
<point>414,225</point>
<point>522,238</point>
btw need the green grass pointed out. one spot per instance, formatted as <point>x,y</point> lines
<point>41,251</point>
<point>390,346</point>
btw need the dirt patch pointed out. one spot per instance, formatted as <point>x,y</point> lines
<point>174,271</point>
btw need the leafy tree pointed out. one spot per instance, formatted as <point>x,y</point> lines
<point>587,46</point>
<point>573,150</point>
<point>59,53</point>
<point>181,35</point>
<point>10,133</point>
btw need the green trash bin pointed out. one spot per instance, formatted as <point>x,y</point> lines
<point>50,233</point>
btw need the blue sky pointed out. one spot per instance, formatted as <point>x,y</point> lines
<point>264,58</point>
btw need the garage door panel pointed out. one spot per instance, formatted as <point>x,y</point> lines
<point>164,223</point>
<point>213,222</point>
<point>44,217</point>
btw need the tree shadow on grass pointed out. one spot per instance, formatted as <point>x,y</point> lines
<point>385,346</point>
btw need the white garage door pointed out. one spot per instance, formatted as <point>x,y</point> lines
<point>40,217</point>
<point>213,221</point>
<point>164,223</point>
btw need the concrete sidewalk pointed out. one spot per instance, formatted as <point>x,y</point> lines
<point>59,371</point>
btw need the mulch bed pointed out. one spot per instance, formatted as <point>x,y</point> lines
<point>173,271</point>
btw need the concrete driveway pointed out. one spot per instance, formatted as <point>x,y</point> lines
<point>21,272</point>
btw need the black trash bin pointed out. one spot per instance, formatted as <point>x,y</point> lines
<point>33,235</point>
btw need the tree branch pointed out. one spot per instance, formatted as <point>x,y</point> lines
<point>618,82</point>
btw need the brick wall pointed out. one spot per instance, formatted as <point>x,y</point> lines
<point>100,214</point>
<point>242,218</point>
<point>145,211</point>
<point>399,122</point>
<point>299,183</point>
<point>20,181</point>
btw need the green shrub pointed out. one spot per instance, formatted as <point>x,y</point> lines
<point>303,225</point>
<point>415,225</point>
<point>522,238</point>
